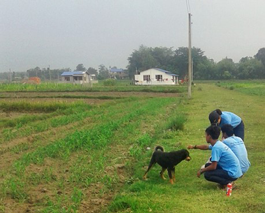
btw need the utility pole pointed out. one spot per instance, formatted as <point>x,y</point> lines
<point>10,78</point>
<point>190,62</point>
<point>192,71</point>
<point>49,73</point>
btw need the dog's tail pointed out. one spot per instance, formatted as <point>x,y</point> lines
<point>159,148</point>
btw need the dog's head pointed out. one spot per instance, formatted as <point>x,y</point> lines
<point>187,154</point>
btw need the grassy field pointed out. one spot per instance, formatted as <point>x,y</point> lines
<point>251,87</point>
<point>102,86</point>
<point>191,194</point>
<point>87,152</point>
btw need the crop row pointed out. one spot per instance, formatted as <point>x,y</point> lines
<point>93,141</point>
<point>96,88</point>
<point>95,138</point>
<point>74,113</point>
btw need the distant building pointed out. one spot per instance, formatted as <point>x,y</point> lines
<point>77,77</point>
<point>118,73</point>
<point>156,76</point>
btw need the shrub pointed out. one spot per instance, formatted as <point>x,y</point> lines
<point>176,122</point>
<point>109,82</point>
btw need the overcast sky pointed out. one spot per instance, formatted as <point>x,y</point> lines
<point>64,33</point>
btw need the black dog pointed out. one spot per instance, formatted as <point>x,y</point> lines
<point>167,160</point>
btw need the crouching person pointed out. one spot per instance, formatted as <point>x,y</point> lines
<point>224,167</point>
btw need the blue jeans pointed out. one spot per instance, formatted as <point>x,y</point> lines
<point>239,130</point>
<point>218,176</point>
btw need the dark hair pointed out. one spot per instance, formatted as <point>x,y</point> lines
<point>228,129</point>
<point>219,111</point>
<point>214,116</point>
<point>213,131</point>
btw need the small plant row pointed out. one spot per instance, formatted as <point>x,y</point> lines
<point>56,87</point>
<point>44,107</point>
<point>78,113</point>
<point>40,126</point>
<point>97,138</point>
<point>85,174</point>
<point>81,176</point>
<point>18,122</point>
<point>103,97</point>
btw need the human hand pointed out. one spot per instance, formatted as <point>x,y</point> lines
<point>199,173</point>
<point>190,147</point>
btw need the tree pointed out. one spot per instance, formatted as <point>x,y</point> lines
<point>163,57</point>
<point>103,72</point>
<point>199,61</point>
<point>45,74</point>
<point>261,55</point>
<point>224,68</point>
<point>205,70</point>
<point>249,67</point>
<point>80,67</point>
<point>35,72</point>
<point>91,70</point>
<point>141,60</point>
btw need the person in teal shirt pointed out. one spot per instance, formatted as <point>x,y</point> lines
<point>224,167</point>
<point>237,145</point>
<point>220,118</point>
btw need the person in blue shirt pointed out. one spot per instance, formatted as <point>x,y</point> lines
<point>221,118</point>
<point>224,167</point>
<point>237,145</point>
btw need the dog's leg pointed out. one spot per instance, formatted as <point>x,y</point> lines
<point>162,173</point>
<point>145,174</point>
<point>152,162</point>
<point>170,172</point>
<point>173,174</point>
<point>149,167</point>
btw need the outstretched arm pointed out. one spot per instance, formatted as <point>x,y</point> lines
<point>201,147</point>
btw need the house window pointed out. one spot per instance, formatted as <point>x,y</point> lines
<point>78,78</point>
<point>159,77</point>
<point>146,77</point>
<point>67,78</point>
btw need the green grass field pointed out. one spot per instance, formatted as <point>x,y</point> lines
<point>191,194</point>
<point>82,153</point>
<point>102,86</point>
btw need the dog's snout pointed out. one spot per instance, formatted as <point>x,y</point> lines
<point>188,158</point>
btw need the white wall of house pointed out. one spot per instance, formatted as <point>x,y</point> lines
<point>155,77</point>
<point>80,78</point>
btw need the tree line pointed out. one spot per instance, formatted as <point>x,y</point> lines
<point>175,61</point>
<point>204,68</point>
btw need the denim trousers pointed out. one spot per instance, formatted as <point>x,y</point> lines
<point>218,176</point>
<point>239,130</point>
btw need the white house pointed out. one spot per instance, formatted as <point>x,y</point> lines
<point>117,73</point>
<point>76,77</point>
<point>155,76</point>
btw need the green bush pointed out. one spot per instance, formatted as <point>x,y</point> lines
<point>109,82</point>
<point>176,122</point>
